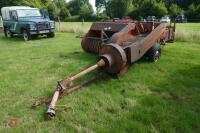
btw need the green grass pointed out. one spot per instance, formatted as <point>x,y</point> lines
<point>151,97</point>
<point>193,27</point>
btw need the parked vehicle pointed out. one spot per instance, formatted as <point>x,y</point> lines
<point>165,19</point>
<point>181,19</point>
<point>26,21</point>
<point>151,18</point>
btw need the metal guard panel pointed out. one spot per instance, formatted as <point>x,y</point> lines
<point>138,49</point>
<point>108,26</point>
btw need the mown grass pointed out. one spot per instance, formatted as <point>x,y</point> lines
<point>150,97</point>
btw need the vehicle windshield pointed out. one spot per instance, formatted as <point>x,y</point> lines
<point>28,13</point>
<point>151,17</point>
<point>165,17</point>
<point>180,16</point>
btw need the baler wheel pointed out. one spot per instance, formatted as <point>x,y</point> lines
<point>154,53</point>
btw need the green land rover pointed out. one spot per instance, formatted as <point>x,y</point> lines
<point>26,21</point>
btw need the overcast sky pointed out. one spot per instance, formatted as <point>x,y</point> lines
<point>93,4</point>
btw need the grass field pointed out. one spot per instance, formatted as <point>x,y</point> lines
<point>152,97</point>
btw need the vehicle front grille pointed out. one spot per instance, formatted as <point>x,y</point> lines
<point>42,26</point>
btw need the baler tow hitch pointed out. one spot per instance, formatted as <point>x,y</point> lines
<point>65,87</point>
<point>66,83</point>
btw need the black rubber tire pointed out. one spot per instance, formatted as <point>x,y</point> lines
<point>51,35</point>
<point>26,35</point>
<point>154,53</point>
<point>8,33</point>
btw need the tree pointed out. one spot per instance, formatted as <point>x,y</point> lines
<point>75,5</point>
<point>64,13</point>
<point>34,3</point>
<point>53,10</point>
<point>150,8</point>
<point>120,8</point>
<point>63,10</point>
<point>175,10</point>
<point>85,11</point>
<point>101,4</point>
<point>4,3</point>
<point>60,3</point>
<point>193,12</point>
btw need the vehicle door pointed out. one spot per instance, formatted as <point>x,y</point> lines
<point>13,22</point>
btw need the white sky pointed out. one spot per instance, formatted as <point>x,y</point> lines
<point>93,4</point>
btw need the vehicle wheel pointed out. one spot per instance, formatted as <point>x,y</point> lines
<point>154,53</point>
<point>51,35</point>
<point>26,35</point>
<point>8,33</point>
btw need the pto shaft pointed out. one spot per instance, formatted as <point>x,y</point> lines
<point>62,84</point>
<point>98,64</point>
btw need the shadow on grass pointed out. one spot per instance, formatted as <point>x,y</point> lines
<point>79,55</point>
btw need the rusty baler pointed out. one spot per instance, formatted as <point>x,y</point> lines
<point>118,43</point>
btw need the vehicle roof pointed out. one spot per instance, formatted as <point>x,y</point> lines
<point>5,10</point>
<point>165,17</point>
<point>16,7</point>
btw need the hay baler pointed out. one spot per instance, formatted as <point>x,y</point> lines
<point>118,43</point>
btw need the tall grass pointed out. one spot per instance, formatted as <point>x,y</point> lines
<point>187,36</point>
<point>184,32</point>
<point>73,27</point>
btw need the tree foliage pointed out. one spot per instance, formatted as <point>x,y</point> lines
<point>193,12</point>
<point>112,8</point>
<point>75,6</point>
<point>34,3</point>
<point>149,8</point>
<point>86,11</point>
<point>175,10</point>
<point>120,8</point>
<point>4,3</point>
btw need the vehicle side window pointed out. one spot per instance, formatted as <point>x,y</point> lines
<point>13,15</point>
